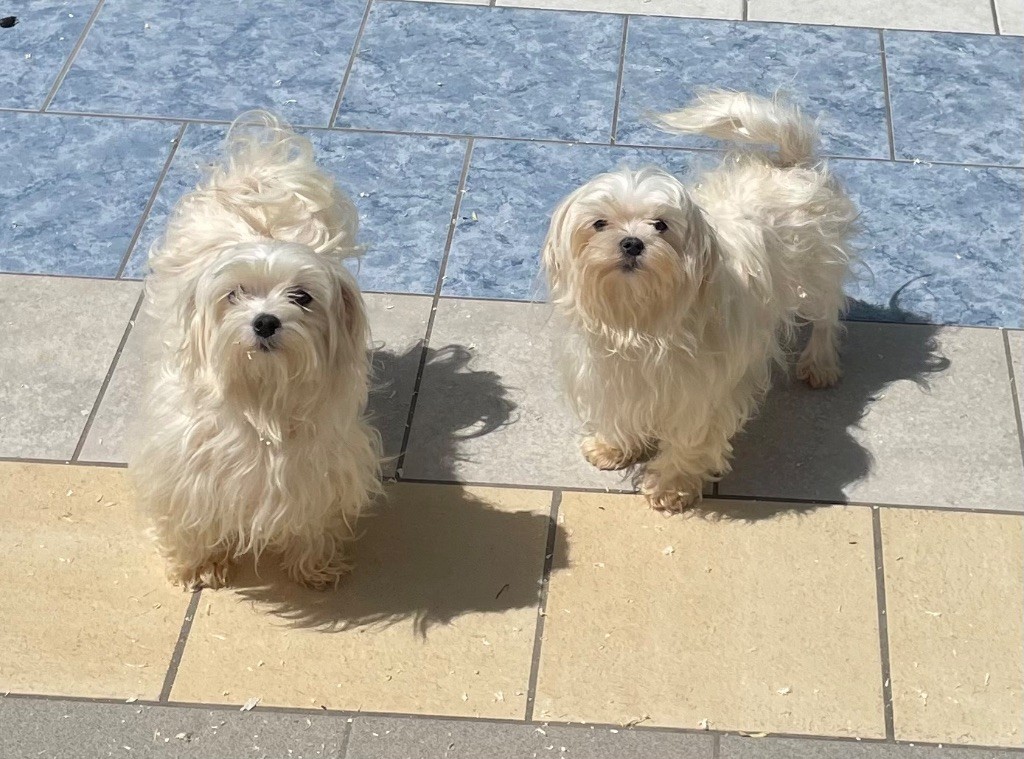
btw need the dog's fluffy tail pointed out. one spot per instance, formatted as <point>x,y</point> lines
<point>269,178</point>
<point>748,119</point>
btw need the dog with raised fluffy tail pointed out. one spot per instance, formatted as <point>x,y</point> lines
<point>680,300</point>
<point>253,435</point>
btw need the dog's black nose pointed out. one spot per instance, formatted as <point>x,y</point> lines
<point>265,325</point>
<point>631,246</point>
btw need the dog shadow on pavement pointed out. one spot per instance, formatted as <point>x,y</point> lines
<point>803,443</point>
<point>426,553</point>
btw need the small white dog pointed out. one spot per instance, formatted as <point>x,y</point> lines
<point>681,300</point>
<point>253,434</point>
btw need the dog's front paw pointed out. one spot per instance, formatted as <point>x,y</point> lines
<point>817,375</point>
<point>211,574</point>
<point>672,496</point>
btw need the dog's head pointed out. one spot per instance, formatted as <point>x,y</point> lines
<point>269,314</point>
<point>628,250</point>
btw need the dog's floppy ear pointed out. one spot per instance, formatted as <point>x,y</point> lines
<point>558,243</point>
<point>351,314</point>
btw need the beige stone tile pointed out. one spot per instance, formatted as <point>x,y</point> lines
<point>85,607</point>
<point>948,16</point>
<point>757,621</point>
<point>398,323</point>
<point>732,9</point>
<point>438,616</point>
<point>1011,16</point>
<point>60,337</point>
<point>955,603</point>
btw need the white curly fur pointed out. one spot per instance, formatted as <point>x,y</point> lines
<point>251,443</point>
<point>669,352</point>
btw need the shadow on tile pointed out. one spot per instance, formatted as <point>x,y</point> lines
<point>802,444</point>
<point>429,553</point>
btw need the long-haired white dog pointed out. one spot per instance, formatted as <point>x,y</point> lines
<point>253,434</point>
<point>681,300</point>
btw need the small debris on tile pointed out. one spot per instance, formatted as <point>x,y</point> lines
<point>8,21</point>
<point>249,705</point>
<point>668,550</point>
<point>753,735</point>
<point>637,721</point>
<point>784,691</point>
<point>499,696</point>
<point>70,493</point>
<point>704,724</point>
<point>187,737</point>
<point>933,613</point>
<point>988,676</point>
<point>131,700</point>
<point>540,730</point>
<point>465,697</point>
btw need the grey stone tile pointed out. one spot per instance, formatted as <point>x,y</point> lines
<point>950,16</point>
<point>60,336</point>
<point>75,729</point>
<point>734,747</point>
<point>404,738</point>
<point>398,323</point>
<point>1011,16</point>
<point>923,416</point>
<point>490,409</point>
<point>1016,338</point>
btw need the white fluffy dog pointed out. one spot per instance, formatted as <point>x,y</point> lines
<point>681,300</point>
<point>253,434</point>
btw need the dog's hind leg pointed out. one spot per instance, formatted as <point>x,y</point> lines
<point>818,365</point>
<point>601,453</point>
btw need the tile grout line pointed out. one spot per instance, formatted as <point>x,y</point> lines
<point>1014,392</point>
<point>618,80</point>
<point>746,10</point>
<point>795,502</point>
<point>351,64</point>
<point>71,57</point>
<point>504,138</point>
<point>421,717</point>
<point>175,143</point>
<point>542,603</point>
<point>765,21</point>
<point>716,746</point>
<point>179,647</point>
<point>883,625</point>
<point>456,208</point>
<point>995,17</point>
<point>106,379</point>
<point>887,96</point>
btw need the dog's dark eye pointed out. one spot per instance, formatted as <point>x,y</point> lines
<point>600,224</point>
<point>300,297</point>
<point>660,225</point>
